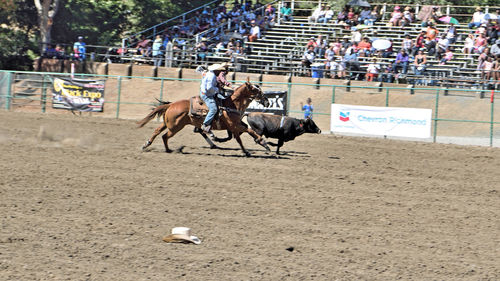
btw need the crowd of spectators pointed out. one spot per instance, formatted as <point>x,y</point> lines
<point>359,59</point>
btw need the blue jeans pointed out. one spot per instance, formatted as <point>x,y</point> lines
<point>474,24</point>
<point>212,109</point>
<point>404,65</point>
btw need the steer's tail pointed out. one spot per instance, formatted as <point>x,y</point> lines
<point>157,111</point>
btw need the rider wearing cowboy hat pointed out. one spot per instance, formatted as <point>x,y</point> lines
<point>208,91</point>
<point>221,78</point>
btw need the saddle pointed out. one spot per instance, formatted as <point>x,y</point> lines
<point>197,107</point>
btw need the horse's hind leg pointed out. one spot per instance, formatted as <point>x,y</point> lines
<point>238,139</point>
<point>155,134</point>
<point>170,133</point>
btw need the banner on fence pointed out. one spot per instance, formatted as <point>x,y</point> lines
<point>381,121</point>
<point>277,103</point>
<point>80,95</point>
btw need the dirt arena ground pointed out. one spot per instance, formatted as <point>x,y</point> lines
<point>80,201</point>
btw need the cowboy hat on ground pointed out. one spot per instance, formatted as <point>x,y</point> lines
<point>181,235</point>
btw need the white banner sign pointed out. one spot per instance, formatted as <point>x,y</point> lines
<point>381,121</point>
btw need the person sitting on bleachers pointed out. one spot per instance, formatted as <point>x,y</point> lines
<point>341,16</point>
<point>408,44</point>
<point>442,46</point>
<point>419,43</point>
<point>482,58</point>
<point>447,56</point>
<point>286,12</point>
<point>495,48</point>
<point>469,44</point>
<point>487,68</point>
<point>328,15</point>
<point>308,59</point>
<point>480,43</point>
<point>477,18</point>
<point>389,51</point>
<point>431,31</point>
<point>351,63</point>
<point>402,61</point>
<point>320,46</point>
<point>387,75</point>
<point>365,14</point>
<point>365,46</point>
<point>492,32</point>
<point>451,33</point>
<point>352,18</point>
<point>254,32</point>
<point>420,62</point>
<point>317,14</point>
<point>407,18</point>
<point>372,70</point>
<point>396,16</point>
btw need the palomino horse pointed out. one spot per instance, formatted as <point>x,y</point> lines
<point>176,116</point>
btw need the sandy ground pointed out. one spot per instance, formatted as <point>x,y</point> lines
<point>80,201</point>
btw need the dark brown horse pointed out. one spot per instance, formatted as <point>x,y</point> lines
<point>176,116</point>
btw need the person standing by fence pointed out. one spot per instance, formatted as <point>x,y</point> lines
<point>307,108</point>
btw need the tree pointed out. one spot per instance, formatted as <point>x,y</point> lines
<point>47,10</point>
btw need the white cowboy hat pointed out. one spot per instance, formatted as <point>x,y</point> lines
<point>181,235</point>
<point>216,67</point>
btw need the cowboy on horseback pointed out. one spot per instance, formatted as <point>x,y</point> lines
<point>208,92</point>
<point>222,81</point>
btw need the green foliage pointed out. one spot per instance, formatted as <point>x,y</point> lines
<point>14,47</point>
<point>100,22</point>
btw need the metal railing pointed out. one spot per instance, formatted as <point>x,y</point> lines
<point>12,83</point>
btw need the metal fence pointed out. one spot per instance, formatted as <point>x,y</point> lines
<point>458,114</point>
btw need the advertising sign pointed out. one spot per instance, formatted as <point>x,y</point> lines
<point>277,103</point>
<point>381,121</point>
<point>80,95</point>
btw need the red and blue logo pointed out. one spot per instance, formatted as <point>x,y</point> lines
<point>344,116</point>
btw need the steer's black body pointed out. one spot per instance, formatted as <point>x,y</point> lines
<point>272,126</point>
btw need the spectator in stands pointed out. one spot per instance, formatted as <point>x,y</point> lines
<point>373,70</point>
<point>328,15</point>
<point>483,57</point>
<point>254,32</point>
<point>374,16</point>
<point>431,47</point>
<point>477,18</point>
<point>408,44</point>
<point>442,46</point>
<point>243,29</point>
<point>448,56</point>
<point>286,12</point>
<point>337,47</point>
<point>495,48</point>
<point>356,36</point>
<point>50,52</point>
<point>419,43</point>
<point>402,61</point>
<point>431,32</point>
<point>480,43</point>
<point>351,63</point>
<point>320,46</point>
<point>492,32</point>
<point>487,68</point>
<point>396,16</point>
<point>469,44</point>
<point>201,49</point>
<point>60,53</point>
<point>79,49</point>
<point>389,51</point>
<point>420,62</point>
<point>329,58</point>
<point>365,46</point>
<point>318,13</point>
<point>352,18</point>
<point>408,17</point>
<point>342,16</point>
<point>337,67</point>
<point>157,50</point>
<point>387,75</point>
<point>365,14</point>
<point>270,11</point>
<point>496,70</point>
<point>308,59</point>
<point>451,33</point>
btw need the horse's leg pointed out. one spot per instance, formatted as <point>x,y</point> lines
<point>173,129</point>
<point>155,134</point>
<point>207,139</point>
<point>229,137</point>
<point>238,139</point>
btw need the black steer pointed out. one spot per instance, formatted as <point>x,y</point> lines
<point>272,126</point>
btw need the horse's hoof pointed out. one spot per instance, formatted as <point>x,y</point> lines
<point>214,147</point>
<point>169,150</point>
<point>247,154</point>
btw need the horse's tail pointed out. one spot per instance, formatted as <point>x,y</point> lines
<point>157,111</point>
